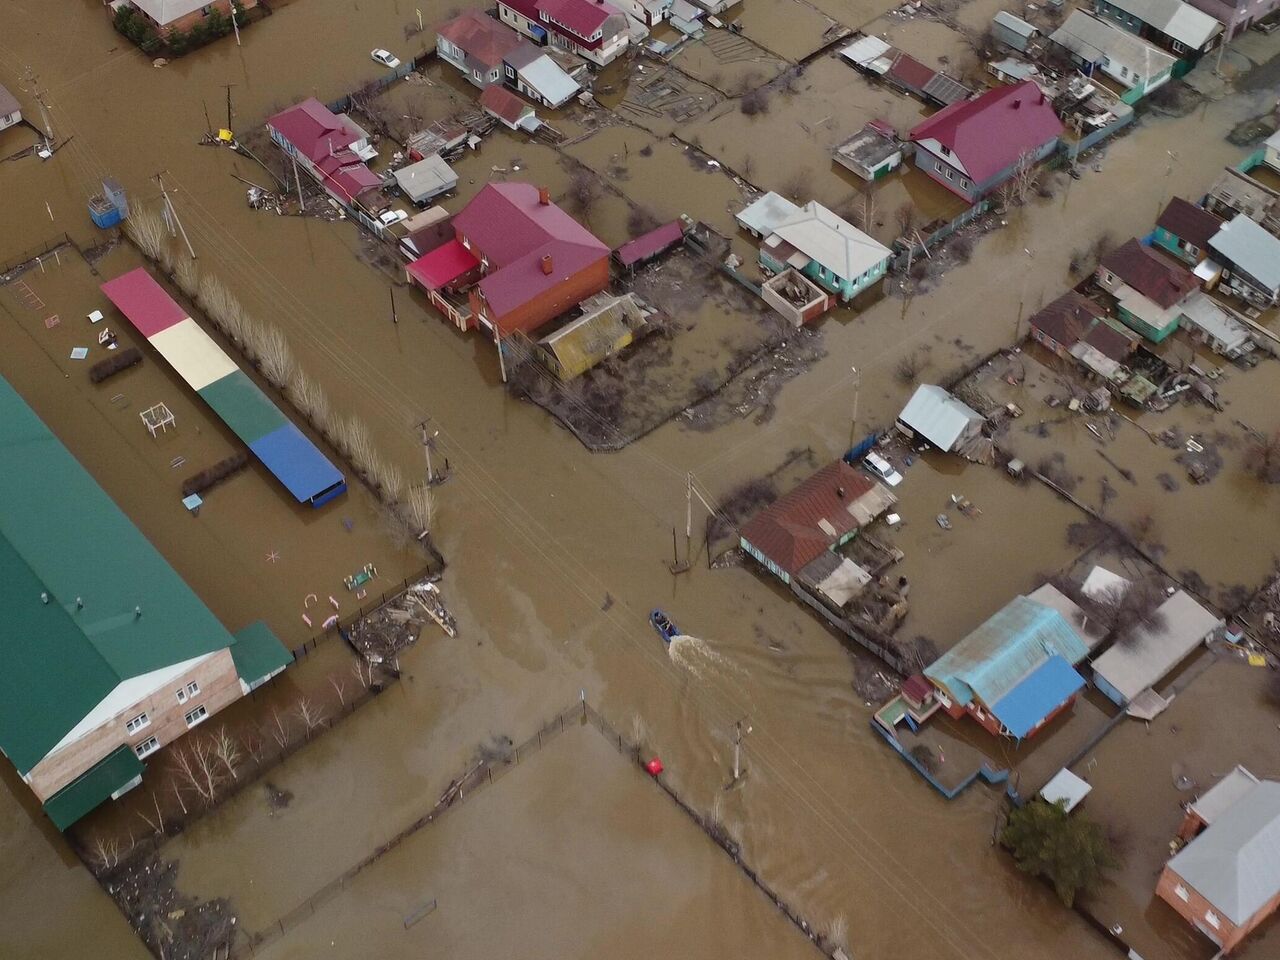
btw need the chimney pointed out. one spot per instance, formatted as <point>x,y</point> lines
<point>1017,104</point>
<point>544,197</point>
<point>547,264</point>
<point>840,492</point>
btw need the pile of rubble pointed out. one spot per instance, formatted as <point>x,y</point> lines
<point>397,624</point>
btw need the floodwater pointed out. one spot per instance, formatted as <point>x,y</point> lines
<point>556,556</point>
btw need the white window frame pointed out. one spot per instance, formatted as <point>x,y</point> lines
<point>200,715</point>
<point>147,747</point>
<point>184,694</point>
<point>1181,893</point>
<point>140,722</point>
<point>1212,919</point>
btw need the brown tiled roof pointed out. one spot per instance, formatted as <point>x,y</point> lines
<point>791,531</point>
<point>1155,277</point>
<point>1190,223</point>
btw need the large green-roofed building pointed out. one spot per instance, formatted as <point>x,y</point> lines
<point>104,646</point>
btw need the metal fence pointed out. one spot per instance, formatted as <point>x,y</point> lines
<point>340,628</point>
<point>34,255</point>
<point>484,774</point>
<point>913,250</point>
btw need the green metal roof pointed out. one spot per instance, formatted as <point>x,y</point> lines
<point>258,653</point>
<point>243,407</point>
<point>93,787</point>
<point>62,535</point>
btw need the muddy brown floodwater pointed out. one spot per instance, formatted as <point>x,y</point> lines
<point>556,556</point>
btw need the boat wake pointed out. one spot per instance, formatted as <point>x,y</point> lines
<point>696,656</point>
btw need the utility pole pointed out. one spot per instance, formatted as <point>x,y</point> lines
<point>428,440</point>
<point>228,87</point>
<point>298,180</point>
<point>688,520</point>
<point>235,25</point>
<point>394,318</point>
<point>502,363</point>
<point>208,124</point>
<point>419,13</point>
<point>174,214</point>
<point>738,733</point>
<point>853,425</point>
<point>1226,36</point>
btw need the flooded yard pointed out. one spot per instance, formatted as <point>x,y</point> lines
<point>557,556</point>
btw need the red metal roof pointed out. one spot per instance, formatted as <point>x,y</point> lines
<point>443,265</point>
<point>508,226</point>
<point>581,18</point>
<point>910,72</point>
<point>347,175</point>
<point>1188,222</point>
<point>650,244</point>
<point>144,302</point>
<point>480,36</point>
<point>1155,277</point>
<point>503,103</point>
<point>988,134</point>
<point>789,533</point>
<point>313,129</point>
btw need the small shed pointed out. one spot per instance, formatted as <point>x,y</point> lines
<point>508,109</point>
<point>870,54</point>
<point>1210,323</point>
<point>766,213</point>
<point>647,246</point>
<point>1065,788</point>
<point>426,179</point>
<point>606,326</point>
<point>1014,32</point>
<point>943,420</point>
<point>872,152</point>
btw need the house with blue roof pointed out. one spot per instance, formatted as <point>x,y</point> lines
<point>1016,671</point>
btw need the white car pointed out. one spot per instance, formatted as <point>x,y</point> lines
<point>388,217</point>
<point>385,57</point>
<point>882,468</point>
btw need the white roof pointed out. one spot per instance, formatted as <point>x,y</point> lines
<point>426,178</point>
<point>1251,249</point>
<point>938,416</point>
<point>766,212</point>
<point>1201,312</point>
<point>1179,20</point>
<point>1100,580</point>
<point>1067,787</point>
<point>1235,864</point>
<point>1131,667</point>
<point>1273,141</point>
<point>1223,795</point>
<point>1095,40</point>
<point>553,84</point>
<point>865,50</point>
<point>832,241</point>
<point>1055,599</point>
<point>166,11</point>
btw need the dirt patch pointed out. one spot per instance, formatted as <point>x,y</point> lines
<point>277,799</point>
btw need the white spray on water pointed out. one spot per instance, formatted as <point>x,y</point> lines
<point>696,656</point>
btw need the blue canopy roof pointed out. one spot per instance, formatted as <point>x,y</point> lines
<point>299,465</point>
<point>1036,696</point>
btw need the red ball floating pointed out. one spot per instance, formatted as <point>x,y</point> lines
<point>654,766</point>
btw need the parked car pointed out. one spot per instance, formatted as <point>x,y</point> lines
<point>882,468</point>
<point>385,57</point>
<point>388,217</point>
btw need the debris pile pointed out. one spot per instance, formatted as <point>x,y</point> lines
<point>172,924</point>
<point>382,634</point>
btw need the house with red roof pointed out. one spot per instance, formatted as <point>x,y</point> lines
<point>974,146</point>
<point>330,147</point>
<point>520,259</point>
<point>508,109</point>
<point>1149,288</point>
<point>476,44</point>
<point>593,29</point>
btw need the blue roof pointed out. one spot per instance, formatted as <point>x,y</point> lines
<point>993,659</point>
<point>1036,696</point>
<point>299,465</point>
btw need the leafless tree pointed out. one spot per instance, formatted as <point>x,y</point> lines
<point>279,728</point>
<point>145,228</point>
<point>187,276</point>
<point>156,825</point>
<point>837,934</point>
<point>195,764</point>
<point>797,184</point>
<point>227,750</point>
<point>176,785</point>
<point>1117,612</point>
<point>905,217</point>
<point>253,744</point>
<point>105,853</point>
<point>275,356</point>
<point>908,368</point>
<point>311,715</point>
<point>420,507</point>
<point>584,191</point>
<point>339,687</point>
<point>309,397</point>
<point>755,102</point>
<point>363,673</point>
<point>1262,457</point>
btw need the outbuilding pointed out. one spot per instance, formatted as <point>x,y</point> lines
<point>425,180</point>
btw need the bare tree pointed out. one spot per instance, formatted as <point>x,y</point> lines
<point>275,356</point>
<point>187,276</point>
<point>253,744</point>
<point>1117,612</point>
<point>156,825</point>
<point>195,763</point>
<point>905,217</point>
<point>1262,457</point>
<point>755,102</point>
<point>908,368</point>
<point>176,785</point>
<point>584,191</point>
<point>105,853</point>
<point>421,507</point>
<point>339,687</point>
<point>145,228</point>
<point>279,728</point>
<point>797,184</point>
<point>311,715</point>
<point>227,750</point>
<point>363,673</point>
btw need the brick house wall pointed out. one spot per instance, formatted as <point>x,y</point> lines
<point>552,302</point>
<point>219,686</point>
<point>1199,912</point>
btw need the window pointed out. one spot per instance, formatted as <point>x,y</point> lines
<point>149,745</point>
<point>949,172</point>
<point>1181,893</point>
<point>196,715</point>
<point>192,689</point>
<point>137,723</point>
<point>1211,918</point>
<point>964,184</point>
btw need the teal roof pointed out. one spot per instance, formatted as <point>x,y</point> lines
<point>94,786</point>
<point>258,653</point>
<point>993,659</point>
<point>61,535</point>
<point>243,407</point>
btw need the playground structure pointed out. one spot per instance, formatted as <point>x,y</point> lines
<point>158,418</point>
<point>250,414</point>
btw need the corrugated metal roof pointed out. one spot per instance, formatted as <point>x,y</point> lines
<point>937,416</point>
<point>545,76</point>
<point>62,535</point>
<point>1224,794</point>
<point>1235,864</point>
<point>1015,25</point>
<point>109,775</point>
<point>1153,275</point>
<point>1250,248</point>
<point>650,244</point>
<point>1179,20</point>
<point>1202,313</point>
<point>1150,654</point>
<point>832,241</point>
<point>258,653</point>
<point>1036,695</point>
<point>8,102</point>
<point>1065,788</point>
<point>991,660</point>
<point>298,464</point>
<point>766,212</point>
<point>1095,40</point>
<point>427,178</point>
<point>1188,222</point>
